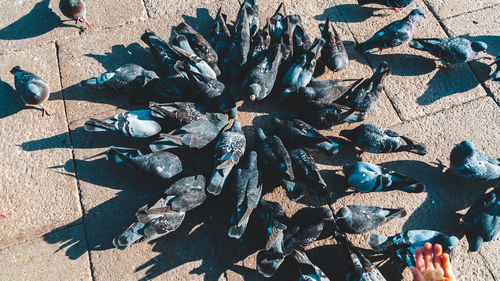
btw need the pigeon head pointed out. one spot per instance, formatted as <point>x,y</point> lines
<point>149,76</point>
<point>325,213</point>
<point>236,126</point>
<point>417,13</point>
<point>478,46</point>
<point>254,92</point>
<point>338,63</point>
<point>344,217</point>
<point>260,133</point>
<point>232,112</point>
<point>349,134</point>
<point>466,147</point>
<point>15,69</point>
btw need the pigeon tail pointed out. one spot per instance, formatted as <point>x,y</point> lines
<point>475,242</point>
<point>394,214</point>
<point>129,236</point>
<point>121,154</point>
<point>364,47</point>
<point>217,181</point>
<point>378,242</point>
<point>268,265</point>
<point>237,230</point>
<point>96,125</point>
<point>414,147</point>
<point>355,116</point>
<point>412,188</point>
<point>293,190</point>
<point>416,44</point>
<point>98,81</point>
<point>329,147</point>
<point>166,142</point>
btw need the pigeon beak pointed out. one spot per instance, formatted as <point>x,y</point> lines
<point>253,97</point>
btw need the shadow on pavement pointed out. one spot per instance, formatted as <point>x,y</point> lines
<point>11,102</point>
<point>350,13</point>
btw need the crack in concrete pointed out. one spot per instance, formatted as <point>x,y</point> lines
<point>78,185</point>
<point>490,270</point>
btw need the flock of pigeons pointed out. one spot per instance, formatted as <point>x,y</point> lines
<point>188,114</point>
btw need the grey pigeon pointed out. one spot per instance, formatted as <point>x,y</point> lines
<point>301,71</point>
<point>306,171</point>
<point>260,79</point>
<point>469,162</point>
<point>228,151</point>
<point>199,45</point>
<point>128,78</point>
<point>364,96</point>
<point>162,164</point>
<point>277,24</point>
<point>275,157</point>
<point>402,246</point>
<point>273,220</point>
<point>325,91</point>
<point>191,60</point>
<point>394,34</point>
<point>304,228</point>
<point>482,220</point>
<point>394,4</point>
<point>367,177</point>
<point>167,214</point>
<point>333,55</point>
<point>220,36</point>
<point>495,75</point>
<point>359,268</point>
<point>450,50</point>
<point>75,9</point>
<point>301,41</point>
<point>287,48</point>
<point>168,89</point>
<point>31,89</point>
<point>376,139</point>
<point>135,124</point>
<point>325,115</point>
<point>307,270</point>
<point>163,54</point>
<point>296,133</point>
<point>240,45</point>
<point>209,91</point>
<point>196,134</point>
<point>248,189</point>
<point>361,219</point>
<point>181,112</point>
<point>252,13</point>
<point>259,44</point>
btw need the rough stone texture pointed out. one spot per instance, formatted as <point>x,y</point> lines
<point>36,193</point>
<point>39,260</point>
<point>473,26</point>
<point>446,9</point>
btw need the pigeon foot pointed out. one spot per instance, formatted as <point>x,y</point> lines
<point>45,111</point>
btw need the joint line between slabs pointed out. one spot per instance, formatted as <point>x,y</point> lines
<point>91,266</point>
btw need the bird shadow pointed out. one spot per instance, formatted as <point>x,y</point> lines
<point>121,54</point>
<point>201,23</point>
<point>23,28</point>
<point>399,63</point>
<point>448,82</point>
<point>11,103</point>
<point>350,13</point>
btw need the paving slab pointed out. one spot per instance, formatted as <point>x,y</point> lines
<point>39,260</point>
<point>447,9</point>
<point>490,253</point>
<point>483,26</point>
<point>35,195</point>
<point>419,87</point>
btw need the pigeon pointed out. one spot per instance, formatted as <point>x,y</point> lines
<point>482,220</point>
<point>260,79</point>
<point>253,15</point>
<point>364,96</point>
<point>376,139</point>
<point>75,9</point>
<point>162,164</point>
<point>394,4</point>
<point>128,78</point>
<point>240,45</point>
<point>182,112</point>
<point>306,171</point>
<point>450,50</point>
<point>402,246</point>
<point>275,157</point>
<point>287,48</point>
<point>469,162</point>
<point>195,135</point>
<point>304,228</point>
<point>167,214</point>
<point>325,115</point>
<point>199,45</point>
<point>248,188</point>
<point>333,54</point>
<point>495,75</point>
<point>276,25</point>
<point>324,91</point>
<point>209,91</point>
<point>220,36</point>
<point>135,124</point>
<point>31,89</point>
<point>359,219</point>
<point>169,89</point>
<point>259,44</point>
<point>296,133</point>
<point>273,220</point>
<point>367,177</point>
<point>307,270</point>
<point>228,151</point>
<point>162,52</point>
<point>301,71</point>
<point>190,59</point>
<point>394,34</point>
<point>359,268</point>
<point>301,41</point>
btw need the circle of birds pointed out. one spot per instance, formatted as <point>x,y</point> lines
<point>189,91</point>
